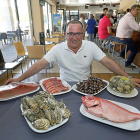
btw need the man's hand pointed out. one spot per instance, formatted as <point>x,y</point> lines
<point>136,81</point>
<point>12,80</point>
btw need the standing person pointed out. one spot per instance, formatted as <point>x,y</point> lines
<point>124,32</point>
<point>96,28</point>
<point>82,20</point>
<point>90,27</point>
<point>127,10</point>
<point>77,57</point>
<point>104,13</point>
<point>104,29</point>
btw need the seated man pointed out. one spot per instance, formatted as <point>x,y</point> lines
<point>74,57</point>
<point>104,29</point>
<point>124,32</point>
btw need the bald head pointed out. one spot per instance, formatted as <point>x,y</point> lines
<point>74,22</point>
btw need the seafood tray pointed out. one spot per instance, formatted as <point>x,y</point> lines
<point>64,83</point>
<point>124,95</point>
<point>43,113</point>
<point>131,126</point>
<point>6,96</point>
<point>44,131</point>
<point>82,84</point>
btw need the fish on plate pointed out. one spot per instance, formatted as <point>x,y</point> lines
<point>106,109</point>
<point>16,88</point>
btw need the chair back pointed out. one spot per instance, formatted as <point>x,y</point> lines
<point>49,46</point>
<point>56,40</point>
<point>19,48</point>
<point>60,37</point>
<point>1,58</point>
<point>35,52</point>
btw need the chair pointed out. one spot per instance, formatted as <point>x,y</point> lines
<point>35,41</point>
<point>56,40</point>
<point>48,47</point>
<point>35,53</point>
<point>20,50</point>
<point>8,66</point>
<point>117,43</point>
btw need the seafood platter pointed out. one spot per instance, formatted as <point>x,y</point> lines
<point>55,85</point>
<point>43,113</point>
<point>90,86</point>
<point>110,112</point>
<point>17,89</point>
<point>122,87</point>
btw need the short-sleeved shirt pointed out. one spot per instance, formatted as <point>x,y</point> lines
<point>74,67</point>
<point>102,29</point>
<point>101,16</point>
<point>91,26</point>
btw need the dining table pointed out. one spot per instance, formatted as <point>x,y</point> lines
<point>13,125</point>
<point>49,42</point>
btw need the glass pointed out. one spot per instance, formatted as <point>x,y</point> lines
<point>78,34</point>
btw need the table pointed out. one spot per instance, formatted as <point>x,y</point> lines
<point>14,127</point>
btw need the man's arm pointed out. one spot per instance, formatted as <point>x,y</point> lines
<point>114,67</point>
<point>109,30</point>
<point>39,65</point>
<point>86,28</point>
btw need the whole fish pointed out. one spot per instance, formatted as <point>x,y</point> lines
<point>106,109</point>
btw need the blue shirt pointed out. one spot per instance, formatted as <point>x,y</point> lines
<point>91,26</point>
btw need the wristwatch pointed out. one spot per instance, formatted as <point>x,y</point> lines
<point>129,76</point>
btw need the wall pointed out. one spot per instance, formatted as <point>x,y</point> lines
<point>124,4</point>
<point>37,17</point>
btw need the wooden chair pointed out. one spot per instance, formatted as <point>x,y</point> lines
<point>20,50</point>
<point>56,40</point>
<point>8,66</point>
<point>35,53</point>
<point>48,47</point>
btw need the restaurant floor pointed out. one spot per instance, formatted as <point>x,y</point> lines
<point>98,70</point>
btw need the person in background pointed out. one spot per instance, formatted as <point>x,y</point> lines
<point>96,28</point>
<point>124,32</point>
<point>105,31</point>
<point>77,57</point>
<point>90,27</point>
<point>82,20</point>
<point>104,13</point>
<point>127,10</point>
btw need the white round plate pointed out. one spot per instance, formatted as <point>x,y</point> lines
<point>130,95</point>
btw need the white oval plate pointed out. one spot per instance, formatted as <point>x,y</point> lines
<point>74,87</point>
<point>21,94</point>
<point>44,131</point>
<point>130,95</point>
<point>131,126</point>
<point>63,82</point>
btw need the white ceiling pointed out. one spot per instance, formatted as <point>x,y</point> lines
<point>83,2</point>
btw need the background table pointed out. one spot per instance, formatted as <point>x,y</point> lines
<point>14,127</point>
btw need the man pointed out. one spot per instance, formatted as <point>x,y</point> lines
<point>124,32</point>
<point>104,29</point>
<point>74,57</point>
<point>82,20</point>
<point>104,13</point>
<point>90,27</point>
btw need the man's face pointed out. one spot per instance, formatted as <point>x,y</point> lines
<point>74,36</point>
<point>135,12</point>
<point>105,12</point>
